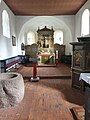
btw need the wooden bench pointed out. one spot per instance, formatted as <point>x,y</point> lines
<point>6,64</point>
<point>13,63</point>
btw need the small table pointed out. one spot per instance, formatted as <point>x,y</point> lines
<point>85,77</point>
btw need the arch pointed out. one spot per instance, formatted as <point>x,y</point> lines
<point>42,21</point>
<point>5,24</point>
<point>85,23</point>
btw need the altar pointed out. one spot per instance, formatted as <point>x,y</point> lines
<point>47,58</point>
<point>44,49</point>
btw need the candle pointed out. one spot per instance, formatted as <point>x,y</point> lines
<point>56,54</point>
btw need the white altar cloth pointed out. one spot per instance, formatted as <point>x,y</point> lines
<point>85,77</point>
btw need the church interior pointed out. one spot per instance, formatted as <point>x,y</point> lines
<point>44,60</point>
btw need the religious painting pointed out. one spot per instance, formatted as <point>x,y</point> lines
<point>45,38</point>
<point>13,41</point>
<point>77,58</point>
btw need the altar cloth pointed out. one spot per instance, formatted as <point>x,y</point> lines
<point>85,77</point>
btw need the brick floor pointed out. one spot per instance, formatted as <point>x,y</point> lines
<point>48,99</point>
<point>60,70</point>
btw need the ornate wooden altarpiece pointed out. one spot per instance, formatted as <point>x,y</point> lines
<point>46,44</point>
<point>45,38</point>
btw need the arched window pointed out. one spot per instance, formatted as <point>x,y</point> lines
<point>30,38</point>
<point>5,24</point>
<point>58,37</point>
<point>85,23</point>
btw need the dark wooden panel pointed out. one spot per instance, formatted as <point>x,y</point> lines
<point>80,60</point>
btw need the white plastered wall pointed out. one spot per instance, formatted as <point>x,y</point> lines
<point>78,20</point>
<point>6,48</point>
